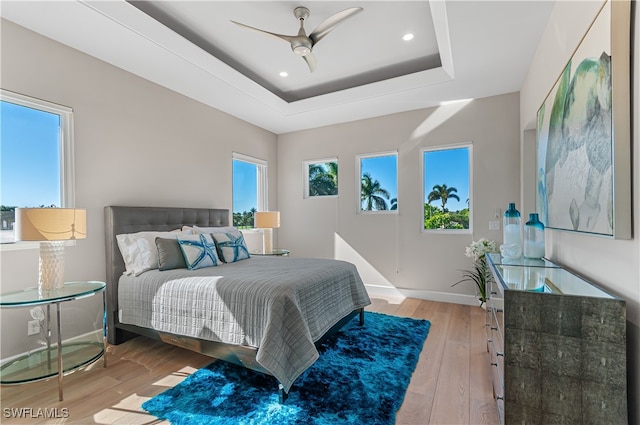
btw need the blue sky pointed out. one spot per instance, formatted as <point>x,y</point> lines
<point>450,167</point>
<point>245,182</point>
<point>29,180</point>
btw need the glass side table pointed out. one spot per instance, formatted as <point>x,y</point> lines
<point>47,362</point>
<point>276,251</point>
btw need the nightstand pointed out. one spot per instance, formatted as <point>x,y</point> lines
<point>47,362</point>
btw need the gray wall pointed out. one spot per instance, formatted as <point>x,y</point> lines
<point>613,264</point>
<point>136,143</point>
<point>389,249</point>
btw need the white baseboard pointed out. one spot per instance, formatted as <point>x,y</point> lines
<point>398,294</point>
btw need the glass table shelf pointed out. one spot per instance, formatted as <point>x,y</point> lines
<point>47,362</point>
<point>33,296</point>
<point>275,252</point>
<point>43,364</point>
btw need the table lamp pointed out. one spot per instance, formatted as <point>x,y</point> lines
<point>267,220</point>
<point>51,227</point>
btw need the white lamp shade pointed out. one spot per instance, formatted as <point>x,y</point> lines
<point>50,224</point>
<point>267,219</point>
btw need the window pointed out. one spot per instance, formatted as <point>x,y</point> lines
<point>378,182</point>
<point>249,189</point>
<point>447,186</point>
<point>321,178</point>
<point>36,157</point>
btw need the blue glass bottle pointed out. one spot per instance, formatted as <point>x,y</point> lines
<point>534,237</point>
<point>511,227</point>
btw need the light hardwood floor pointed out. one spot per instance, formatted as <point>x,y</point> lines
<point>451,383</point>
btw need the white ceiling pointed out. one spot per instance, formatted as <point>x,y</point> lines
<point>461,50</point>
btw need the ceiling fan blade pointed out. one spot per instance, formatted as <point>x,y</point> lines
<point>287,38</point>
<point>331,22</point>
<point>310,59</point>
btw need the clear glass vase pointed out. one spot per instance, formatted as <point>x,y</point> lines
<point>534,237</point>
<point>511,238</point>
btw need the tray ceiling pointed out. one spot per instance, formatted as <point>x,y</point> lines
<point>460,50</point>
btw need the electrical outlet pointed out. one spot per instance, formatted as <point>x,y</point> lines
<point>494,224</point>
<point>33,327</point>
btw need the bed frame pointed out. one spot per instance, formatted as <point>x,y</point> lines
<point>119,220</point>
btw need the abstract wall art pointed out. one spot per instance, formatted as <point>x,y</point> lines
<point>583,133</point>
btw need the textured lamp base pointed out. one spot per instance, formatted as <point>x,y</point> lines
<point>267,241</point>
<point>51,276</point>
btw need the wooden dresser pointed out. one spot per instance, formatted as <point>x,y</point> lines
<point>557,346</point>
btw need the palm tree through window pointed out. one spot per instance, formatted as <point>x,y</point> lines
<point>322,178</point>
<point>447,188</point>
<point>378,182</point>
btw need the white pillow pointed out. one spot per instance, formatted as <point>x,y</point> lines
<point>225,229</point>
<point>139,250</point>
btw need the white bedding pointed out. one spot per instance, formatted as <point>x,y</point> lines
<point>279,305</point>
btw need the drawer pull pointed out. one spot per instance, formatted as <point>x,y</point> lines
<point>499,354</point>
<point>494,328</point>
<point>494,364</point>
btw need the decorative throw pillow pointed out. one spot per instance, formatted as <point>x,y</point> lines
<point>199,251</point>
<point>139,250</point>
<point>231,246</point>
<point>169,254</point>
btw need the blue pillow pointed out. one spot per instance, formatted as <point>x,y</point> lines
<point>231,246</point>
<point>199,251</point>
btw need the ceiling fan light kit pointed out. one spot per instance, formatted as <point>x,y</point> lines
<point>301,44</point>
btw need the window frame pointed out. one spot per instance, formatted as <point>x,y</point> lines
<point>423,150</point>
<point>67,153</point>
<point>359,159</point>
<point>262,177</point>
<point>305,175</point>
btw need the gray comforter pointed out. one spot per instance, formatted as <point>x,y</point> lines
<point>279,305</point>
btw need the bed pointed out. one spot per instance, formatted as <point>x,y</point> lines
<point>264,313</point>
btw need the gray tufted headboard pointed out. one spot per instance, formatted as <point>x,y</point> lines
<point>119,220</point>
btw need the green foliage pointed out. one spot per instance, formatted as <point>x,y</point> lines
<point>434,218</point>
<point>323,179</point>
<point>244,220</point>
<point>479,275</point>
<point>441,220</point>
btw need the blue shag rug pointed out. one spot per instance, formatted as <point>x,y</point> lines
<point>360,378</point>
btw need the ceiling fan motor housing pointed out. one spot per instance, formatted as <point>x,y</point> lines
<point>301,46</point>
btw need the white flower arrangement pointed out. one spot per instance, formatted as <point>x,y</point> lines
<point>480,274</point>
<point>479,248</point>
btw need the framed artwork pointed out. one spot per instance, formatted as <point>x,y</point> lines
<point>583,133</point>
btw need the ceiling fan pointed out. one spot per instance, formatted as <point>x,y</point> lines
<point>302,44</point>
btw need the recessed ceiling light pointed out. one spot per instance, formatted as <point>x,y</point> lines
<point>284,74</point>
<point>407,37</point>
